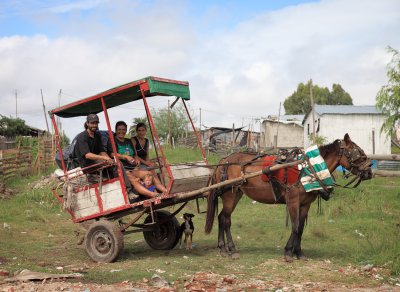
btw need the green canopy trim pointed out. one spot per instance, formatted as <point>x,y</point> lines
<point>152,86</point>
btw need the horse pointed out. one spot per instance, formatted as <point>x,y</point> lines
<point>340,152</point>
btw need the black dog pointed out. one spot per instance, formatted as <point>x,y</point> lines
<point>187,228</point>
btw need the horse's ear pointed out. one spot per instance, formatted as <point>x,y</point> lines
<point>347,139</point>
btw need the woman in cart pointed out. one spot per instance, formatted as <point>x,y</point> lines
<point>141,146</point>
<point>126,152</point>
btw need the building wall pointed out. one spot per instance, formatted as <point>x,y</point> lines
<point>289,135</point>
<point>361,129</point>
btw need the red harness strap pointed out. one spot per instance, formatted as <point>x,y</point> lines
<point>279,175</point>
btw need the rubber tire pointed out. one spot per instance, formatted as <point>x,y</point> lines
<point>168,235</point>
<point>104,241</point>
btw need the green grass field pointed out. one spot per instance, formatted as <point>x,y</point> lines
<point>356,227</point>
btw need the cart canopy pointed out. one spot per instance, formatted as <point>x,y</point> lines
<point>151,86</point>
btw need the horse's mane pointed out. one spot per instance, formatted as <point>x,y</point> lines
<point>329,148</point>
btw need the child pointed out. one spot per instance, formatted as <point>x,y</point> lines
<point>148,183</point>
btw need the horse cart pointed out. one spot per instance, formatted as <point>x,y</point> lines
<point>100,202</point>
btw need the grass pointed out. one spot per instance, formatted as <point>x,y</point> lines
<point>395,150</point>
<point>356,227</point>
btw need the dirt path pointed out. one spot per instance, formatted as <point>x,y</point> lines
<point>296,278</point>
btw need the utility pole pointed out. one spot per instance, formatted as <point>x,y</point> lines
<point>277,127</point>
<point>312,110</point>
<point>58,118</point>
<point>16,104</point>
<point>200,122</point>
<point>44,112</point>
<point>169,124</point>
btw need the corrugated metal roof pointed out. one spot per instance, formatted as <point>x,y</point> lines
<point>346,109</point>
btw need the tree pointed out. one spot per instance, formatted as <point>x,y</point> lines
<point>388,97</point>
<point>174,125</point>
<point>11,127</point>
<point>300,102</point>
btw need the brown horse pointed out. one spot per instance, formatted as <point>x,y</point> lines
<point>341,152</point>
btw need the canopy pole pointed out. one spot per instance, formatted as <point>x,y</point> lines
<point>114,148</point>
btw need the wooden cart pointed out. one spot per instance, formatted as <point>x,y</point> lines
<point>97,205</point>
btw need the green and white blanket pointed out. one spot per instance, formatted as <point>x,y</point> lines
<point>310,183</point>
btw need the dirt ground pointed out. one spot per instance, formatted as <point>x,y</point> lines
<point>368,279</point>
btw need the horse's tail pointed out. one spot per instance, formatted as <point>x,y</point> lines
<point>212,203</point>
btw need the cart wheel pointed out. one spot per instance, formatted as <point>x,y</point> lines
<point>164,236</point>
<point>104,241</point>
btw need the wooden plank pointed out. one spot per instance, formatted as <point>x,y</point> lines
<point>386,173</point>
<point>395,157</point>
<point>86,201</point>
<point>112,196</point>
<point>189,184</point>
<point>86,212</point>
<point>180,171</point>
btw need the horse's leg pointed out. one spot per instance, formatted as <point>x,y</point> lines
<point>297,243</point>
<point>229,201</point>
<point>231,245</point>
<point>221,235</point>
<point>292,204</point>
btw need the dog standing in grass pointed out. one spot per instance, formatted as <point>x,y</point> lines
<point>187,229</point>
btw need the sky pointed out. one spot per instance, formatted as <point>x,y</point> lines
<point>241,58</point>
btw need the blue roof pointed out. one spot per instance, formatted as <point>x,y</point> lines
<point>346,109</point>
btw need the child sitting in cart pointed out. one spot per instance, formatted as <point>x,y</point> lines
<point>148,183</point>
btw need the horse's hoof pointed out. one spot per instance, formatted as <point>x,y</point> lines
<point>301,256</point>
<point>288,258</point>
<point>223,253</point>
<point>235,256</point>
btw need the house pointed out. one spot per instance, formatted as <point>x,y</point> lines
<point>362,123</point>
<point>283,132</point>
<point>228,136</point>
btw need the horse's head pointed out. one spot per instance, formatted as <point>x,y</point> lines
<point>353,158</point>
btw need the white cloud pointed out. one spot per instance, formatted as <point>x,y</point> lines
<point>234,75</point>
<point>78,5</point>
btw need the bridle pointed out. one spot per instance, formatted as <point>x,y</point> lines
<point>358,162</point>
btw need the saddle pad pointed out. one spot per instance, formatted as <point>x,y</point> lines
<point>308,180</point>
<point>279,175</point>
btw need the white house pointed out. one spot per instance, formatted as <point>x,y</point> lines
<point>283,132</point>
<point>362,123</point>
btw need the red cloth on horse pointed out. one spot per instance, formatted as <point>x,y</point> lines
<point>279,175</point>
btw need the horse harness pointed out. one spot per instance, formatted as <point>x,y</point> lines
<point>352,156</point>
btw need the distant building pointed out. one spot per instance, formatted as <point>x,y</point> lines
<point>283,132</point>
<point>362,123</point>
<point>35,132</point>
<point>238,137</point>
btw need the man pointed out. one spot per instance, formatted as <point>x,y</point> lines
<point>89,149</point>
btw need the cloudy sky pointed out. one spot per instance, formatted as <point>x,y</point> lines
<point>241,58</point>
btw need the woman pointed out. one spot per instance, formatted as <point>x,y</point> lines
<point>124,146</point>
<point>141,147</point>
<point>125,152</point>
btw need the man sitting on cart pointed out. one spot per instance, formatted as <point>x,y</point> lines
<point>89,149</point>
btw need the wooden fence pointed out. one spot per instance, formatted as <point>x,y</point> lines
<point>387,165</point>
<point>15,162</point>
<point>20,161</point>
